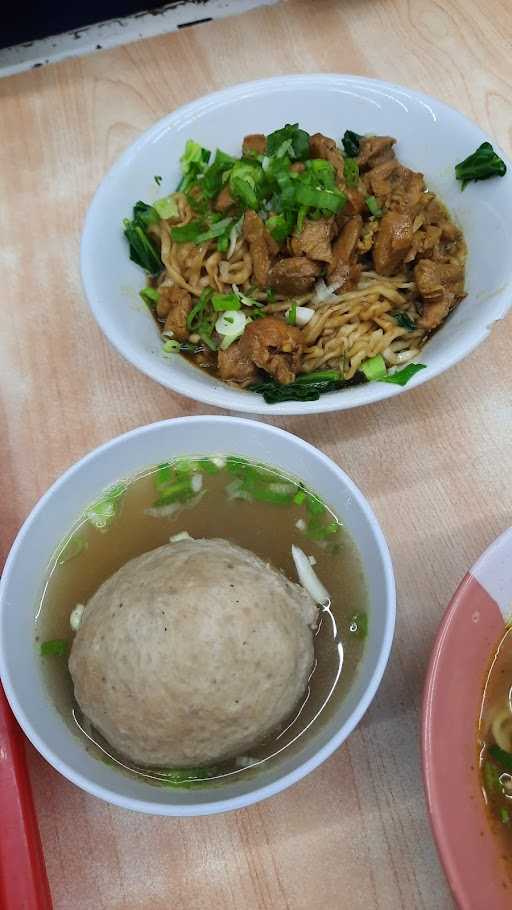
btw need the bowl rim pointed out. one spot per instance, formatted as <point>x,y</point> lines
<point>259,793</point>
<point>240,400</point>
<point>479,584</point>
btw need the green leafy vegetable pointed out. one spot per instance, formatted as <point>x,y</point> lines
<point>212,180</point>
<point>274,392</point>
<point>374,368</point>
<point>351,142</point>
<point>193,162</point>
<point>504,815</point>
<point>223,244</point>
<point>503,758</point>
<point>373,206</point>
<point>188,233</point>
<point>491,778</point>
<point>404,321</point>
<point>167,207</point>
<point>292,315</point>
<point>358,625</point>
<point>56,647</point>
<point>402,376</point>
<point>297,141</point>
<point>481,165</point>
<point>351,172</point>
<point>143,250</point>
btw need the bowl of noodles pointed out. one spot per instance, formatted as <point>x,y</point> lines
<point>301,244</point>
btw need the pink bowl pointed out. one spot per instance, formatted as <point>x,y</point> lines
<point>471,627</point>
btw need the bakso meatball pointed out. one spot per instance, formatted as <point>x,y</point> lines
<point>192,653</point>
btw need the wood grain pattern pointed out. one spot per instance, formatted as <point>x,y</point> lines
<point>435,463</point>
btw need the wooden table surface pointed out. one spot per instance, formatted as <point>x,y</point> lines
<point>435,463</point>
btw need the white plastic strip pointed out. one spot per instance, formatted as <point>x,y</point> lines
<point>115,32</point>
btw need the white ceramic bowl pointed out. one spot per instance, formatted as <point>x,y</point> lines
<point>20,590</point>
<point>431,138</point>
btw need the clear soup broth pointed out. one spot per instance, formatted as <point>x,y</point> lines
<point>495,744</point>
<point>251,505</point>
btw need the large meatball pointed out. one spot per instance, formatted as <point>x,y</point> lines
<point>192,653</point>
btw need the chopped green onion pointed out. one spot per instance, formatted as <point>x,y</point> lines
<point>300,218</point>
<point>374,368</point>
<point>102,512</point>
<point>72,549</point>
<point>314,504</point>
<point>330,200</point>
<point>351,143</point>
<point>320,376</point>
<point>245,183</point>
<point>292,315</point>
<point>150,296</point>
<point>358,625</point>
<point>481,165</point>
<point>373,206</point>
<point>351,172</point>
<point>279,227</point>
<point>157,180</point>
<point>504,815</point>
<point>171,346</point>
<point>167,207</point>
<point>56,647</point>
<point>186,778</point>
<point>223,244</point>
<point>208,466</point>
<point>180,491</point>
<point>299,497</point>
<point>196,313</point>
<point>221,302</point>
<point>220,227</point>
<point>402,376</point>
<point>163,475</point>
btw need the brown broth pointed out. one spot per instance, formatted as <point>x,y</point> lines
<point>267,529</point>
<point>495,777</point>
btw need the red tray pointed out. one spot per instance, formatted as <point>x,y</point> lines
<point>23,881</point>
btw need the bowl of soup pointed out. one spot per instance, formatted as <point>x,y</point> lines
<point>467,734</point>
<point>301,244</point>
<point>195,615</point>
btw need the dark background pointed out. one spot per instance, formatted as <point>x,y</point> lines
<point>40,20</point>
